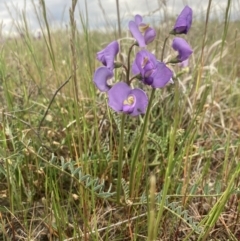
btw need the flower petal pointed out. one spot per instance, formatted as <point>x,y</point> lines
<point>141,102</point>
<point>149,35</point>
<point>117,94</point>
<point>184,21</point>
<point>135,68</point>
<point>138,19</point>
<point>153,72</point>
<point>128,109</point>
<point>100,56</point>
<point>183,48</point>
<point>100,78</point>
<point>133,27</point>
<point>107,55</point>
<point>110,52</point>
<point>161,76</point>
<point>144,61</point>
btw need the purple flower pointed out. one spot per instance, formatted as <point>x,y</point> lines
<point>100,78</point>
<point>107,55</point>
<point>183,48</point>
<point>122,98</point>
<point>183,22</point>
<point>152,71</point>
<point>141,31</point>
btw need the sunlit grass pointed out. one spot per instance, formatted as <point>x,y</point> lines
<point>59,141</point>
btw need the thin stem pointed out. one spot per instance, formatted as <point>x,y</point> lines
<point>50,48</point>
<point>136,152</point>
<point>120,158</point>
<point>170,162</point>
<point>118,17</point>
<point>134,77</point>
<point>120,151</point>
<point>128,66</point>
<point>164,46</point>
<point>199,77</point>
<point>49,105</point>
<point>125,67</point>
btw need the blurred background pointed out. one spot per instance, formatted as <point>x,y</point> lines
<point>102,14</point>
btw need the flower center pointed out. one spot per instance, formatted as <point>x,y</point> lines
<point>143,27</point>
<point>145,61</point>
<point>129,104</point>
<point>129,101</point>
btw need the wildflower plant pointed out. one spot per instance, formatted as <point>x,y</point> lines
<point>125,96</point>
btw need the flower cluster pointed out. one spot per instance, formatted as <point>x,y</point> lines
<point>145,67</point>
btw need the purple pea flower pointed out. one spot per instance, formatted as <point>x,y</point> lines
<point>107,55</point>
<point>141,31</point>
<point>122,98</point>
<point>152,71</point>
<point>183,22</point>
<point>100,78</point>
<point>183,48</point>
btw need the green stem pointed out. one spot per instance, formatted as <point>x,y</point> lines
<point>136,152</point>
<point>128,65</point>
<point>164,46</point>
<point>120,151</point>
<point>120,158</point>
<point>170,163</point>
<point>125,67</point>
<point>134,77</point>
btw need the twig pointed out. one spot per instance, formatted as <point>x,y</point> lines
<point>46,112</point>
